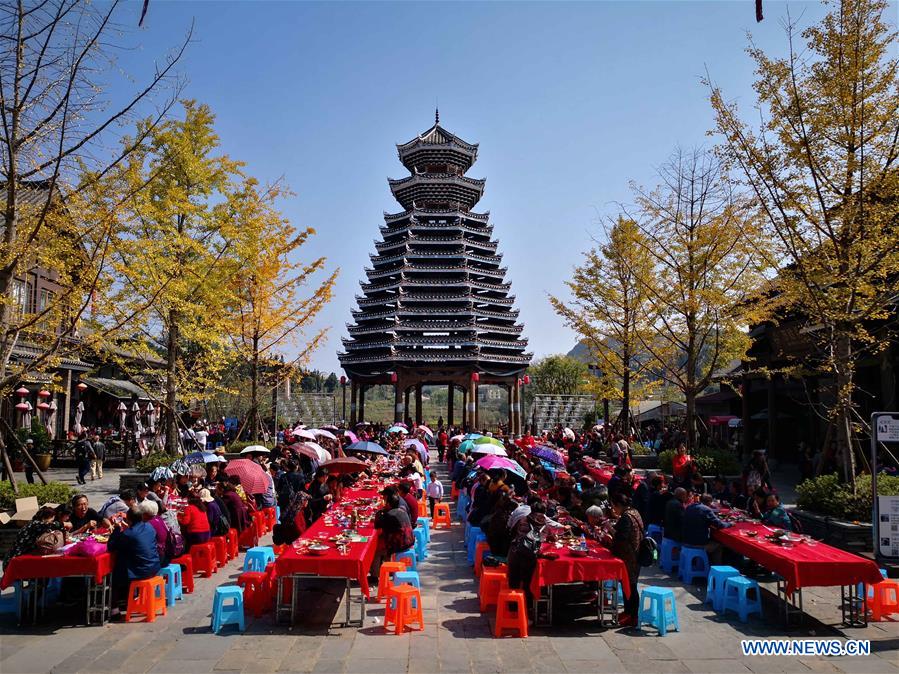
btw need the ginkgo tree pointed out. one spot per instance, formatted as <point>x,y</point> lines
<point>277,294</point>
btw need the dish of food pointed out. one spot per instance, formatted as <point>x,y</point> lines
<point>317,549</point>
<point>751,533</point>
<point>577,551</point>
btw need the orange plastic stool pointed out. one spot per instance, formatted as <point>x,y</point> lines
<point>885,600</point>
<point>385,581</point>
<point>270,518</point>
<point>146,597</point>
<point>422,508</point>
<point>482,548</point>
<point>511,620</point>
<point>256,591</point>
<point>204,558</point>
<point>442,515</point>
<point>454,492</point>
<point>221,549</point>
<point>187,575</point>
<point>493,581</point>
<point>406,610</point>
<point>231,537</point>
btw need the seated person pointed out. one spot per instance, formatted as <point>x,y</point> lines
<point>395,529</point>
<point>674,515</point>
<point>756,505</point>
<point>659,495</point>
<point>43,521</point>
<point>84,518</point>
<point>699,519</point>
<point>719,489</point>
<point>136,555</point>
<point>194,522</point>
<point>775,515</point>
<point>735,496</point>
<point>116,507</point>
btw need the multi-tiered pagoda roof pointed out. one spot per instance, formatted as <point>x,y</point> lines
<point>435,294</point>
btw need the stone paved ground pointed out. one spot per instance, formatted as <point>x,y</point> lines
<point>456,637</point>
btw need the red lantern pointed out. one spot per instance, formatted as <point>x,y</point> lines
<point>343,380</point>
<point>393,378</point>
<point>475,377</point>
<point>520,382</point>
<point>44,393</point>
<point>43,406</point>
<point>22,407</point>
<point>22,392</point>
<point>527,379</point>
<point>81,386</point>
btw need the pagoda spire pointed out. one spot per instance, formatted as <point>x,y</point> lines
<point>436,116</point>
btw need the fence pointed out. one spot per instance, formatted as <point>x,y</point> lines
<point>568,410</point>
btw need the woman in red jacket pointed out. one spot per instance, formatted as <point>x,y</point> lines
<point>194,522</point>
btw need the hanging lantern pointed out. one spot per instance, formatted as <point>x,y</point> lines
<point>342,380</point>
<point>44,393</point>
<point>475,377</point>
<point>81,386</point>
<point>527,379</point>
<point>43,405</point>
<point>22,392</point>
<point>22,407</point>
<point>520,382</point>
<point>393,378</point>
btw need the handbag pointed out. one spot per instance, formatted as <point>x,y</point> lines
<point>49,542</point>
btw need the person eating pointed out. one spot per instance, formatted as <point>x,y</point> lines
<point>84,518</point>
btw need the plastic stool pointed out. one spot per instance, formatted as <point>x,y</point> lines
<point>658,613</point>
<point>186,562</point>
<point>408,578</point>
<point>173,587</point>
<point>384,576</point>
<point>863,588</point>
<point>688,568</point>
<point>232,538</point>
<point>462,506</point>
<point>271,518</point>
<point>454,492</point>
<point>670,557</point>
<point>507,619</point>
<point>442,515</point>
<point>421,545</point>
<point>403,607</point>
<point>736,597</point>
<point>407,557</point>
<point>221,549</point>
<point>608,587</point>
<point>257,558</point>
<point>227,608</point>
<point>425,523</point>
<point>256,591</point>
<point>714,589</point>
<point>493,581</point>
<point>259,523</point>
<point>482,548</point>
<point>477,535</point>
<point>248,538</point>
<point>655,532</point>
<point>885,599</point>
<point>204,558</point>
<point>423,509</point>
<point>146,597</point>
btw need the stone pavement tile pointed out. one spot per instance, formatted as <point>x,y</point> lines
<point>378,666</point>
<point>640,664</point>
<point>184,667</point>
<point>774,665</point>
<point>110,661</point>
<point>549,663</point>
<point>423,665</point>
<point>865,664</point>
<point>608,664</point>
<point>201,647</point>
<point>455,665</point>
<point>235,659</point>
<point>819,664</point>
<point>263,666</point>
<point>490,666</point>
<point>330,667</point>
<point>711,666</point>
<point>134,665</point>
<point>76,663</point>
<point>583,649</point>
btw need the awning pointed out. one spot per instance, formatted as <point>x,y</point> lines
<point>722,420</point>
<point>117,388</point>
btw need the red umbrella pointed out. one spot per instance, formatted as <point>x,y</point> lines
<point>252,476</point>
<point>345,465</point>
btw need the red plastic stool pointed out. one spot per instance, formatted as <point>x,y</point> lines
<point>204,558</point>
<point>493,581</point>
<point>482,548</point>
<point>278,549</point>
<point>885,600</point>
<point>256,592</point>
<point>146,597</point>
<point>442,515</point>
<point>454,492</point>
<point>232,538</point>
<point>507,619</point>
<point>270,518</point>
<point>406,610</point>
<point>259,523</point>
<point>187,575</point>
<point>221,549</point>
<point>248,537</point>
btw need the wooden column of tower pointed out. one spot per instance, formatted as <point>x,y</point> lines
<point>353,388</point>
<point>418,410</point>
<point>362,388</point>
<point>450,403</point>
<point>397,402</point>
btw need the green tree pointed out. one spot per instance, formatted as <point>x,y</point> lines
<point>559,375</point>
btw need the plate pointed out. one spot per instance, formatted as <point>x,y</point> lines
<point>577,552</point>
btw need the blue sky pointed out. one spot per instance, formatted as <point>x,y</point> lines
<point>569,102</point>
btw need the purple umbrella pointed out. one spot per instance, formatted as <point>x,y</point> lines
<point>352,436</point>
<point>547,454</point>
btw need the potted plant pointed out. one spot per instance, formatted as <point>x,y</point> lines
<point>42,443</point>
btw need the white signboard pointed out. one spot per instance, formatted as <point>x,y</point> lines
<point>888,526</point>
<point>887,429</point>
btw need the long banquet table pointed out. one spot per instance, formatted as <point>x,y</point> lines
<point>293,565</point>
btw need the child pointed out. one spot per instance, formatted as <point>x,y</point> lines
<point>435,491</point>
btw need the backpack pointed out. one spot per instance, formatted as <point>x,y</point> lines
<point>174,545</point>
<point>529,544</point>
<point>220,525</point>
<point>647,552</point>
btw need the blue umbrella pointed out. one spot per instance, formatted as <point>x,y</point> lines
<point>161,473</point>
<point>201,457</point>
<point>397,429</point>
<point>367,447</point>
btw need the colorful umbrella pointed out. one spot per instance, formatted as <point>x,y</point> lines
<point>255,449</point>
<point>303,433</point>
<point>490,462</point>
<point>466,446</point>
<point>201,457</point>
<point>312,450</point>
<point>547,454</point>
<point>323,433</point>
<point>568,433</point>
<point>489,449</point>
<point>459,437</point>
<point>180,467</point>
<point>161,473</point>
<point>418,446</point>
<point>345,465</point>
<point>489,441</point>
<point>397,429</point>
<point>366,448</point>
<point>352,436</point>
<point>251,475</point>
<point>427,430</point>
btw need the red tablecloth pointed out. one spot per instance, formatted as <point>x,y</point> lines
<point>604,473</point>
<point>598,565</point>
<point>25,567</point>
<point>354,565</point>
<point>802,565</point>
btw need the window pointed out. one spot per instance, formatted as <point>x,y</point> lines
<point>23,296</point>
<point>45,299</point>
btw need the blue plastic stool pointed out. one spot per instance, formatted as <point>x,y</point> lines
<point>658,613</point>
<point>655,532</point>
<point>407,577</point>
<point>670,557</point>
<point>407,554</point>
<point>736,597</point>
<point>714,589</point>
<point>425,523</point>
<point>227,608</point>
<point>277,512</point>
<point>608,586</point>
<point>462,507</point>
<point>860,588</point>
<point>477,535</point>
<point>257,558</point>
<point>688,568</point>
<point>421,545</point>
<point>173,588</point>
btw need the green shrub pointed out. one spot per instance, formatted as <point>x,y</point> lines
<point>827,495</point>
<point>711,461</point>
<point>638,449</point>
<point>53,492</point>
<point>154,460</point>
<point>666,461</point>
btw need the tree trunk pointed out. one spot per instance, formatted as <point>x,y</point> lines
<point>254,390</point>
<point>690,399</point>
<point>171,391</point>
<point>625,393</point>
<point>843,411</point>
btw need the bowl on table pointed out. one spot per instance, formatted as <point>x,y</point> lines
<point>317,549</point>
<point>577,551</point>
<point>750,533</point>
